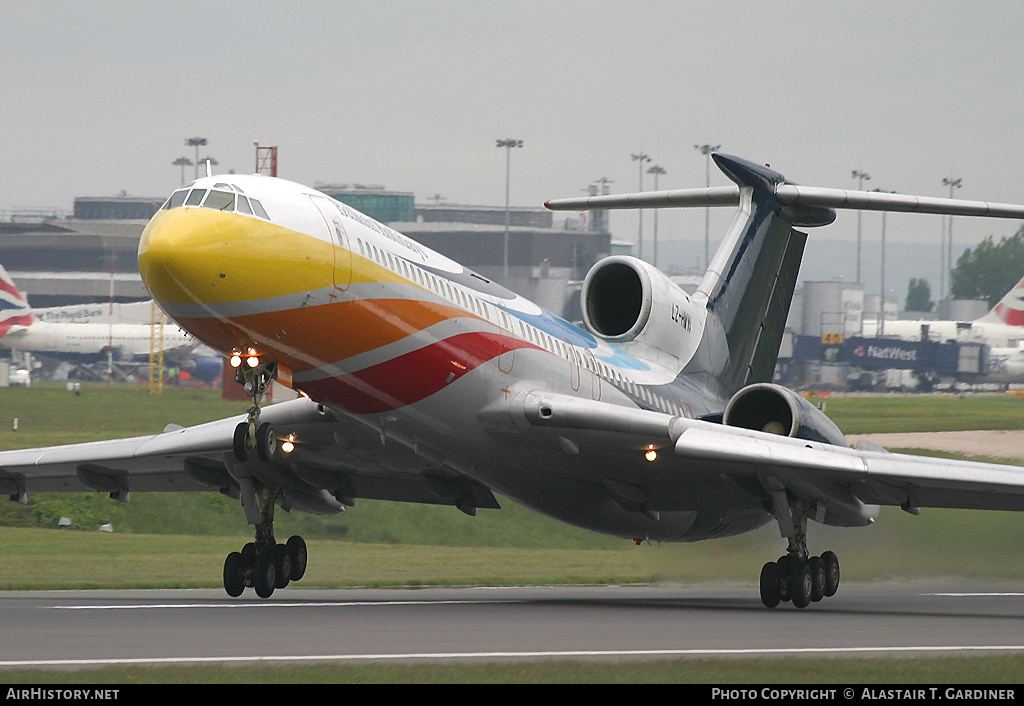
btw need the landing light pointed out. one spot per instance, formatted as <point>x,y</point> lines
<point>651,454</point>
<point>236,360</point>
<point>288,445</point>
<point>252,361</point>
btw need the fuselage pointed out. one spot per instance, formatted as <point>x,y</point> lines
<point>84,339</point>
<point>993,333</point>
<point>1005,366</point>
<point>378,327</point>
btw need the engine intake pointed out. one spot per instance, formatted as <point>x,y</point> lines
<point>625,300</point>
<point>778,410</point>
<point>615,301</point>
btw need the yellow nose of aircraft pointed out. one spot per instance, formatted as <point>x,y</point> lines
<point>189,256</point>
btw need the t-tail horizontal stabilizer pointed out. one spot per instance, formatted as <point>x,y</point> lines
<point>787,194</point>
<point>749,284</point>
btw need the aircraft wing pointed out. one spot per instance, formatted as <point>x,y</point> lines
<point>337,456</point>
<point>758,465</point>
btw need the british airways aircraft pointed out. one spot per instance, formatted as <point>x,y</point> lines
<point>23,328</point>
<point>423,381</point>
<point>1001,328</point>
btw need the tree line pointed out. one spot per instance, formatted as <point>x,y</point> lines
<point>987,273</point>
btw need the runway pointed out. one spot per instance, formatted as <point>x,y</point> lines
<point>72,629</point>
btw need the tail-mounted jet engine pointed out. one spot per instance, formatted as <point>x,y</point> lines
<point>778,410</point>
<point>625,299</point>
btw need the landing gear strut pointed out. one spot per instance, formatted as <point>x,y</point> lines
<point>797,577</point>
<point>264,564</point>
<point>255,375</point>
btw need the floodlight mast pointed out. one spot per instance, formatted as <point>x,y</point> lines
<point>707,150</point>
<point>196,142</point>
<point>508,144</point>
<point>640,157</point>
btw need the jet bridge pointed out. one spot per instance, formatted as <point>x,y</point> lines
<point>950,358</point>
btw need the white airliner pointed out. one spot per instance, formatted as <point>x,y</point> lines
<point>1002,327</point>
<point>426,382</point>
<point>25,329</point>
<point>1005,366</point>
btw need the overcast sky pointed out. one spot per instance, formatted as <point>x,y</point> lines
<point>99,97</point>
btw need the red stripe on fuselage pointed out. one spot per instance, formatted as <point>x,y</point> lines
<point>413,376</point>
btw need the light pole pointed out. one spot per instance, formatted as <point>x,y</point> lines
<point>706,150</point>
<point>508,144</point>
<point>641,158</point>
<point>656,170</point>
<point>861,177</point>
<point>952,184</point>
<point>881,303</point>
<point>196,142</point>
<point>182,162</point>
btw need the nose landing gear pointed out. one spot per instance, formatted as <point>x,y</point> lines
<point>255,375</point>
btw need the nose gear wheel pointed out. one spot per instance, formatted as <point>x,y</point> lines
<point>250,434</point>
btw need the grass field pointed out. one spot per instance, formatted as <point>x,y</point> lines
<point>180,540</point>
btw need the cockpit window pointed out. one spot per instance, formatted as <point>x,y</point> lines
<point>177,198</point>
<point>220,201</point>
<point>257,207</point>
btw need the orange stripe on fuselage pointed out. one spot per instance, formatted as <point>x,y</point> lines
<point>310,337</point>
<point>199,256</point>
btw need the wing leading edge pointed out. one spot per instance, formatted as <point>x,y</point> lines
<point>339,457</point>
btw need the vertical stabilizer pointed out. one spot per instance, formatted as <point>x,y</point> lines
<point>750,282</point>
<point>1009,310</point>
<point>14,308</point>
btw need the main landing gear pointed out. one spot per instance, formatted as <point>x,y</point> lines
<point>265,566</point>
<point>797,577</point>
<point>793,578</point>
<point>262,564</point>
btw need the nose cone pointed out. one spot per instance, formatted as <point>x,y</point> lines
<point>181,256</point>
<point>193,260</point>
